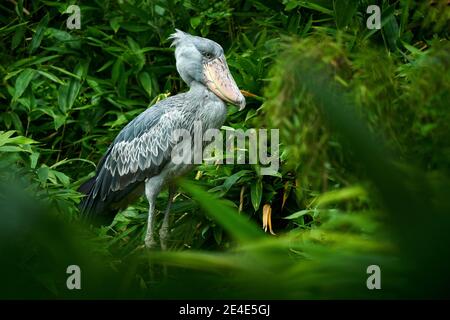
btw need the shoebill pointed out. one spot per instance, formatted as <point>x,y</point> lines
<point>139,161</point>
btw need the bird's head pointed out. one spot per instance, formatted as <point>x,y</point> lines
<point>202,60</point>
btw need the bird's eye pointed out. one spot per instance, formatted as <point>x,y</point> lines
<point>207,55</point>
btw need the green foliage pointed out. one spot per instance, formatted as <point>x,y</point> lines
<point>363,118</point>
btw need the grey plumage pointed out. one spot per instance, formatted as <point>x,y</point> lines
<point>141,153</point>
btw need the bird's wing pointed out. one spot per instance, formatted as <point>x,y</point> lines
<point>141,149</point>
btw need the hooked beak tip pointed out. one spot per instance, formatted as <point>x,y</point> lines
<point>241,103</point>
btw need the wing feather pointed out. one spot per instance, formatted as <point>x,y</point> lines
<point>141,149</point>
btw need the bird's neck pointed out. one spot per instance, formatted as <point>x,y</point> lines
<point>209,108</point>
<point>199,91</point>
<point>196,86</point>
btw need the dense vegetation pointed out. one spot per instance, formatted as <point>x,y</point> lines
<point>365,153</point>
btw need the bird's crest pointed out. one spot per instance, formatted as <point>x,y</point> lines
<point>177,37</point>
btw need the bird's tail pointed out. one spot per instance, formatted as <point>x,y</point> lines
<point>101,211</point>
<point>86,187</point>
<point>94,209</point>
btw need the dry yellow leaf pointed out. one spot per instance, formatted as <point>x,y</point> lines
<point>267,218</point>
<point>241,199</point>
<point>198,175</point>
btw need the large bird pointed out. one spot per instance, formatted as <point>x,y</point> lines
<point>140,158</point>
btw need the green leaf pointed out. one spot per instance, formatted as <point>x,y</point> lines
<point>69,92</point>
<point>42,173</point>
<point>33,61</point>
<point>66,72</point>
<point>39,34</point>
<point>119,122</point>
<point>65,180</point>
<point>50,76</point>
<point>60,35</point>
<point>237,225</point>
<point>59,120</point>
<point>390,29</point>
<point>117,70</point>
<point>159,10</point>
<point>18,37</point>
<point>19,9</point>
<point>289,5</point>
<point>134,46</point>
<point>135,27</point>
<point>344,194</point>
<point>411,48</point>
<point>64,161</point>
<point>298,214</point>
<point>256,194</point>
<point>22,82</point>
<point>4,136</point>
<point>146,82</point>
<point>315,6</point>
<point>115,23</point>
<point>195,21</point>
<point>15,120</point>
<point>307,26</point>
<point>105,66</point>
<point>230,181</point>
<point>11,149</point>
<point>344,12</point>
<point>247,42</point>
<point>34,159</point>
<point>21,140</point>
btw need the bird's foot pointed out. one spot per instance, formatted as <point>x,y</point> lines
<point>150,243</point>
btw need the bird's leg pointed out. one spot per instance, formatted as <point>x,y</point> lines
<point>149,236</point>
<point>164,231</point>
<point>152,188</point>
